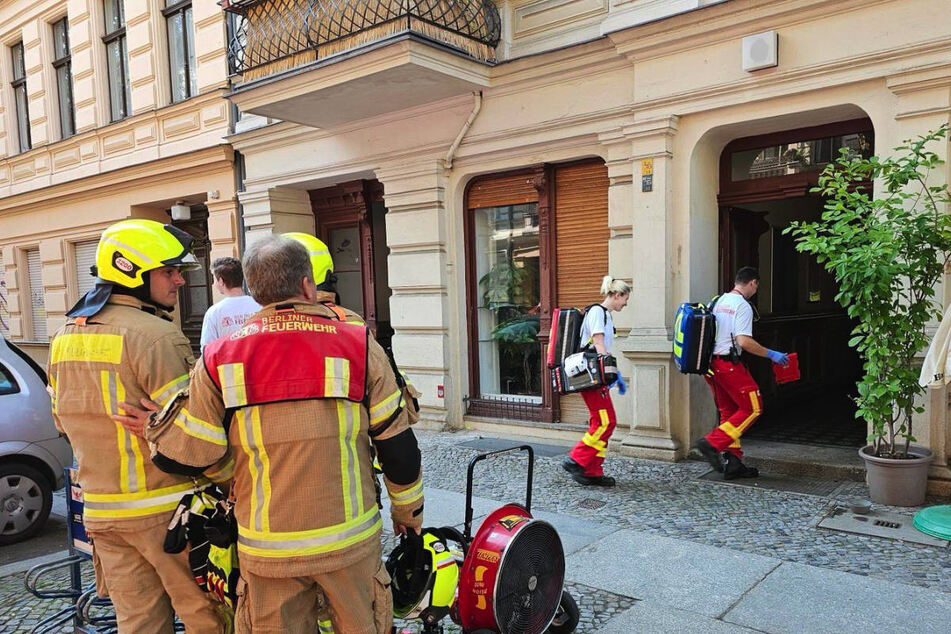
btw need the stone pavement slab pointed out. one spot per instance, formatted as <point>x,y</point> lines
<point>661,618</point>
<point>693,577</point>
<point>796,598</point>
<point>575,532</point>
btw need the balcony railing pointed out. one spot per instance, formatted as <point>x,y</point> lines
<point>274,35</point>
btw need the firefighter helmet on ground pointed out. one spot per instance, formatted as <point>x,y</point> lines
<point>320,259</point>
<point>130,248</point>
<point>424,576</point>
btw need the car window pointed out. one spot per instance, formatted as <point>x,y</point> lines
<point>8,384</point>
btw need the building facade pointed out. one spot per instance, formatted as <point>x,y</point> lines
<point>110,109</point>
<point>474,166</point>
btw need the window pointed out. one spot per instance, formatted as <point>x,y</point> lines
<point>4,308</point>
<point>64,78</point>
<point>8,384</point>
<point>19,96</point>
<point>117,60</point>
<point>181,48</point>
<point>37,298</point>
<point>507,271</point>
<point>85,253</point>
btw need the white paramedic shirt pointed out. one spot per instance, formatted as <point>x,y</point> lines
<point>226,317</point>
<point>598,322</point>
<point>734,317</point>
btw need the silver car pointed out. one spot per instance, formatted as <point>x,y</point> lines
<point>32,453</point>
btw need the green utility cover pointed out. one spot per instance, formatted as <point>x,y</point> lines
<point>935,521</point>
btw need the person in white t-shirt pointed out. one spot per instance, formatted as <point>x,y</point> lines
<point>735,392</point>
<point>230,313</point>
<point>586,460</point>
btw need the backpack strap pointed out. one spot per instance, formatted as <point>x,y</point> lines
<point>341,316</point>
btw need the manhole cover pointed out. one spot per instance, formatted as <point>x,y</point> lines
<point>809,486</point>
<point>591,503</point>
<point>878,524</point>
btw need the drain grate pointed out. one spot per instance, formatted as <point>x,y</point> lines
<point>809,486</point>
<point>878,524</point>
<point>591,503</point>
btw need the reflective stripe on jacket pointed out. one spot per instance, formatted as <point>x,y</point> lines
<point>125,352</point>
<point>294,394</point>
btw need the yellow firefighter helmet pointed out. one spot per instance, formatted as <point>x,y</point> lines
<point>320,259</point>
<point>130,248</point>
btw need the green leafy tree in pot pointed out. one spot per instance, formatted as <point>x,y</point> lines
<point>887,254</point>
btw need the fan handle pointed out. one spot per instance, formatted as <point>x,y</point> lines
<point>483,456</point>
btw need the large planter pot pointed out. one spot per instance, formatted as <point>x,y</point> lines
<point>897,482</point>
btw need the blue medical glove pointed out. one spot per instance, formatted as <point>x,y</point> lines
<point>621,385</point>
<point>777,357</point>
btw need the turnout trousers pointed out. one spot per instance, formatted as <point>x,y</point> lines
<point>593,446</point>
<point>738,399</point>
<point>148,586</point>
<point>358,597</point>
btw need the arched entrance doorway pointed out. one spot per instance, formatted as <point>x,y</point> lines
<point>765,184</point>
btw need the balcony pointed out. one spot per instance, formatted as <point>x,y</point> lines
<point>324,63</point>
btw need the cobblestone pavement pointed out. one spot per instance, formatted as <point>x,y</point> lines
<point>667,499</point>
<point>655,497</point>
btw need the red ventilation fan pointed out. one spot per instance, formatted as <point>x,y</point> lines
<point>514,569</point>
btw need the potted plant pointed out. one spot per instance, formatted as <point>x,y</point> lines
<point>886,253</point>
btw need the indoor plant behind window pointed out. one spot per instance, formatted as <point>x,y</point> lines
<point>887,254</point>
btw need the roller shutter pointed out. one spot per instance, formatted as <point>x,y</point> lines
<point>581,248</point>
<point>4,298</point>
<point>85,257</point>
<point>37,299</point>
<point>502,190</point>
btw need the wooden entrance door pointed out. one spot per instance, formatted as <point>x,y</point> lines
<point>350,220</point>
<point>765,185</point>
<point>194,298</point>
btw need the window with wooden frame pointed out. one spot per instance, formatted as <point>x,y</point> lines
<point>117,60</point>
<point>20,97</point>
<point>514,277</point>
<point>182,68</point>
<point>62,66</point>
<point>36,294</point>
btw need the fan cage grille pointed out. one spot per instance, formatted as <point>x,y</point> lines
<point>530,580</point>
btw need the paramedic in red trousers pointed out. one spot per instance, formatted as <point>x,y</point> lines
<point>735,392</point>
<point>585,461</point>
<point>299,396</point>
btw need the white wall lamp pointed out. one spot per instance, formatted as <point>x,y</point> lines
<point>181,211</point>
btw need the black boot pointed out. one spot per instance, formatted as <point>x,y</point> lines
<point>736,469</point>
<point>599,481</point>
<point>712,455</point>
<point>572,467</point>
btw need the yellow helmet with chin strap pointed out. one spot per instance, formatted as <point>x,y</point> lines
<point>320,259</point>
<point>130,248</point>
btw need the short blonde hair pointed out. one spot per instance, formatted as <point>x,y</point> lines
<point>611,286</point>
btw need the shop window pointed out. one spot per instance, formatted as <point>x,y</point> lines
<point>62,66</point>
<point>181,49</point>
<point>518,267</point>
<point>117,60</point>
<point>20,97</point>
<point>507,267</point>
<point>36,294</point>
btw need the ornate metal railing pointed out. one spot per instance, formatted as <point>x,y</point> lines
<point>273,35</point>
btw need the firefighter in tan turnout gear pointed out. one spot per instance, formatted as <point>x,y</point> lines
<point>121,345</point>
<point>299,394</point>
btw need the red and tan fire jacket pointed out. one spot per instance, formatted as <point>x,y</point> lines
<point>125,352</point>
<point>298,395</point>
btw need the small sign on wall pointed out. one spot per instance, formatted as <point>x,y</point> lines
<point>647,175</point>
